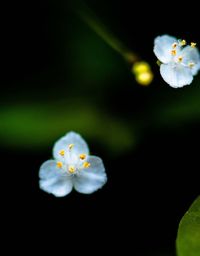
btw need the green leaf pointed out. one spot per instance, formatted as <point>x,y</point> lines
<point>188,239</point>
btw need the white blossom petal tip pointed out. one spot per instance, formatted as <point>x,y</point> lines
<point>179,61</point>
<point>72,167</point>
<point>93,178</point>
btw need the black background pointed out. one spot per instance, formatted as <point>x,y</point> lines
<point>138,210</point>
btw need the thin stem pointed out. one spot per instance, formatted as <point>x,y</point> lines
<point>86,14</point>
<point>139,68</point>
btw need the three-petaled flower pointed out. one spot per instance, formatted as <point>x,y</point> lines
<point>72,167</point>
<point>180,62</point>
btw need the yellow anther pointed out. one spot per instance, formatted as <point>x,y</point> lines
<point>193,45</point>
<point>82,156</point>
<point>59,164</point>
<point>173,52</point>
<point>71,146</point>
<point>191,64</point>
<point>174,45</point>
<point>182,42</point>
<point>71,169</point>
<point>86,165</point>
<point>62,152</point>
<point>180,58</point>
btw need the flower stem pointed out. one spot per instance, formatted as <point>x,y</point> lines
<point>89,17</point>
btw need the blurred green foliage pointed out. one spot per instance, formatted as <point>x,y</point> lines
<point>91,74</point>
<point>181,106</point>
<point>91,60</point>
<point>188,240</point>
<point>36,126</point>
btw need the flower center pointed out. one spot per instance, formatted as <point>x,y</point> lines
<point>82,156</point>
<point>180,58</point>
<point>173,52</point>
<point>71,169</point>
<point>59,164</point>
<point>72,163</point>
<point>86,165</point>
<point>174,45</point>
<point>176,48</point>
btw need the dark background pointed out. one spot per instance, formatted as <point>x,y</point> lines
<point>57,75</point>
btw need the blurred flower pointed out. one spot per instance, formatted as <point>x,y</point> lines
<point>179,62</point>
<point>142,72</point>
<point>72,167</point>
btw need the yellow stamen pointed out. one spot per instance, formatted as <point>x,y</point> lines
<point>71,169</point>
<point>59,164</point>
<point>71,146</point>
<point>173,52</point>
<point>193,45</point>
<point>191,64</point>
<point>182,42</point>
<point>82,156</point>
<point>174,45</point>
<point>62,152</point>
<point>180,58</point>
<point>86,165</point>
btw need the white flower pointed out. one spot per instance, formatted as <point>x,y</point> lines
<point>179,62</point>
<point>72,167</point>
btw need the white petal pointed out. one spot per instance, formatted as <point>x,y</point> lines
<point>91,178</point>
<point>163,47</point>
<point>49,170</point>
<point>191,55</point>
<point>80,146</point>
<point>176,75</point>
<point>52,181</point>
<point>195,69</point>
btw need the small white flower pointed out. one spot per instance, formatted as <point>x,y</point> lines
<point>72,167</point>
<point>179,62</point>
